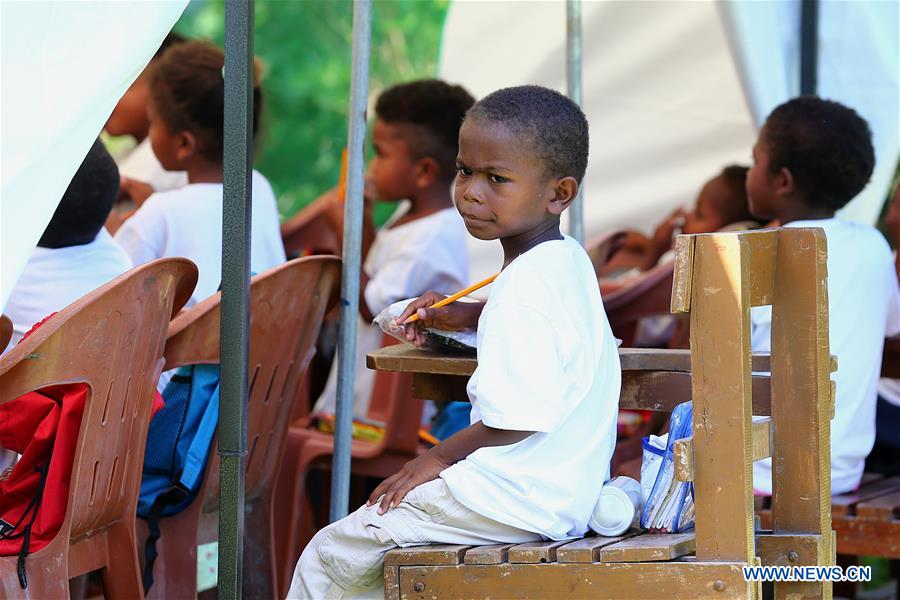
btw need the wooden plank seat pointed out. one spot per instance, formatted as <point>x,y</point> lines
<point>717,279</point>
<point>867,521</point>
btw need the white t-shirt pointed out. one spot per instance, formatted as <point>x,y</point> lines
<point>863,307</point>
<point>188,222</point>
<point>547,362</point>
<point>55,277</point>
<point>405,261</point>
<point>141,164</point>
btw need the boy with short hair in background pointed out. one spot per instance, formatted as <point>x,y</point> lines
<point>423,245</point>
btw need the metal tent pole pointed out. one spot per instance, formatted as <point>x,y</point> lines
<point>573,87</point>
<point>235,319</point>
<point>809,46</point>
<point>353,212</point>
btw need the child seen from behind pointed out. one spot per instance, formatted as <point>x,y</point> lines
<point>545,393</point>
<point>186,111</point>
<point>811,158</point>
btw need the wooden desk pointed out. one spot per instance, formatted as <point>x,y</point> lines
<point>660,378</point>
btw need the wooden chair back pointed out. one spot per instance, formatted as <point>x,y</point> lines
<point>6,331</point>
<point>718,278</point>
<point>112,340</point>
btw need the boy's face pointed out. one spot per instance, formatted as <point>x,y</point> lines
<point>502,189</point>
<point>391,173</point>
<point>761,183</point>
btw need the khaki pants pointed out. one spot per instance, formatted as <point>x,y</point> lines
<point>345,559</point>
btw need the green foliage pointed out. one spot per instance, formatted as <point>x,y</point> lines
<point>305,47</point>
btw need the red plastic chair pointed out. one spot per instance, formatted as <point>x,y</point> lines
<point>604,246</point>
<point>111,339</point>
<point>392,404</point>
<point>287,304</point>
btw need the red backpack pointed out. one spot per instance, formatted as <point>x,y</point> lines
<point>43,427</point>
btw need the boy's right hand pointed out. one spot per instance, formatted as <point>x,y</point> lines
<point>455,316</point>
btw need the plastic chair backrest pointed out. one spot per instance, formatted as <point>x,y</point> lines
<point>112,340</point>
<point>392,403</point>
<point>287,304</point>
<point>601,248</point>
<point>647,295</point>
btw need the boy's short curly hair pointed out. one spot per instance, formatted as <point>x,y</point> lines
<point>555,125</point>
<point>825,145</point>
<point>435,109</point>
<point>86,203</point>
<point>187,88</point>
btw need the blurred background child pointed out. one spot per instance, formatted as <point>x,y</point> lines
<point>423,245</point>
<point>186,112</point>
<point>140,170</point>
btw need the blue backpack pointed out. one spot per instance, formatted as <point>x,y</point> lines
<point>178,445</point>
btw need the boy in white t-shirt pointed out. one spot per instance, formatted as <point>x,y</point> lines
<point>186,109</point>
<point>812,157</point>
<point>423,245</point>
<point>545,394</point>
<point>75,254</point>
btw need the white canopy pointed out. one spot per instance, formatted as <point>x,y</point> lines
<point>65,65</point>
<point>664,88</point>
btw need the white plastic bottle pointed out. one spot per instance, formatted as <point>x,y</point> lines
<point>618,508</point>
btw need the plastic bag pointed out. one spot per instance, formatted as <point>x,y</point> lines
<point>435,339</point>
<point>669,507</point>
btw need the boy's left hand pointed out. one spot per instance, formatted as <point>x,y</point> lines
<point>419,470</point>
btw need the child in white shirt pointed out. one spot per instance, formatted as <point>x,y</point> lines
<point>75,255</point>
<point>186,108</point>
<point>140,170</point>
<point>545,394</point>
<point>812,157</point>
<point>423,245</point>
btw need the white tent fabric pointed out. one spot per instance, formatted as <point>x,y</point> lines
<point>64,67</point>
<point>662,91</point>
<point>859,65</point>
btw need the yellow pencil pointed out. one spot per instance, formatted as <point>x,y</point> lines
<point>455,297</point>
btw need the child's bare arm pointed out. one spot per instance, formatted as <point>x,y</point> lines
<point>428,466</point>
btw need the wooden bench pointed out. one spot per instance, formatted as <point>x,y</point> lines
<point>718,277</point>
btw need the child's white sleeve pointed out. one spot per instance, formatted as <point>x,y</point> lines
<point>408,274</point>
<point>522,382</point>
